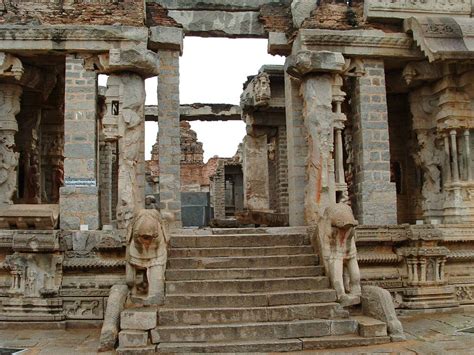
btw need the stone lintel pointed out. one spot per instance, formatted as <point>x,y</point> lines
<point>226,5</point>
<point>162,37</point>
<point>143,62</point>
<point>305,62</point>
<point>200,112</point>
<point>236,24</point>
<point>390,9</point>
<point>71,38</point>
<point>278,44</point>
<point>365,43</point>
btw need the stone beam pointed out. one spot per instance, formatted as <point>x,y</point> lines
<point>220,23</point>
<point>365,43</point>
<point>71,38</point>
<point>305,62</point>
<point>227,5</point>
<point>200,112</point>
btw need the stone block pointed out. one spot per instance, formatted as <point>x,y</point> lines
<point>370,327</point>
<point>343,327</point>
<point>133,338</point>
<point>300,10</point>
<point>138,318</point>
<point>147,350</point>
<point>162,37</point>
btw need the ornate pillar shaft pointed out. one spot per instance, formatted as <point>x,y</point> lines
<point>467,153</point>
<point>449,175</point>
<point>454,153</point>
<point>423,270</point>
<point>10,95</point>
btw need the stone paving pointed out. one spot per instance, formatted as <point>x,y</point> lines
<point>426,334</point>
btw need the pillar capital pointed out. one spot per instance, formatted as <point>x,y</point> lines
<point>305,62</point>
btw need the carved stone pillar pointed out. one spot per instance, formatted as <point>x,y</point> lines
<point>124,121</point>
<point>316,71</point>
<point>9,107</point>
<point>339,121</point>
<point>255,171</point>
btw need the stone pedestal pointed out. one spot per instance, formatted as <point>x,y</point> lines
<point>375,195</point>
<point>79,198</point>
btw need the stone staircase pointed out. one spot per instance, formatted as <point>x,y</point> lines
<point>252,290</point>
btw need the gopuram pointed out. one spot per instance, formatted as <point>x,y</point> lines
<point>351,195</point>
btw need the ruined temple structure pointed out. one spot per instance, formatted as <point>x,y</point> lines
<point>373,109</point>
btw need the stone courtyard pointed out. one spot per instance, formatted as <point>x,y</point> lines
<point>345,219</point>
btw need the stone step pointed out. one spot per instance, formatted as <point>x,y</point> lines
<point>246,251</point>
<point>243,273</point>
<point>232,347</point>
<point>176,316</point>
<point>273,345</point>
<point>242,262</point>
<point>189,300</point>
<point>341,341</point>
<point>238,240</point>
<point>246,286</point>
<point>250,331</point>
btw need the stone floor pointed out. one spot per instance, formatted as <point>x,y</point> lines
<point>426,334</point>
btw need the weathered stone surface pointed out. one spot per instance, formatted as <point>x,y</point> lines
<point>227,24</point>
<point>370,327</point>
<point>147,253</point>
<point>305,62</point>
<point>147,350</point>
<point>300,10</point>
<point>26,216</point>
<point>377,303</point>
<point>162,37</point>
<point>230,5</point>
<point>110,328</point>
<point>387,9</point>
<point>138,319</point>
<point>133,338</point>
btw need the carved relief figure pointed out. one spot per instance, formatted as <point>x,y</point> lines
<point>9,108</point>
<point>428,158</point>
<point>147,242</point>
<point>262,89</point>
<point>338,249</point>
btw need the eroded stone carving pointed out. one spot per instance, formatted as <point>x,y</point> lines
<point>262,89</point>
<point>377,303</point>
<point>110,328</point>
<point>9,108</point>
<point>147,242</point>
<point>10,66</point>
<point>124,121</point>
<point>339,253</point>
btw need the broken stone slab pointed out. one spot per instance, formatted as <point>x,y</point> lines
<point>139,318</point>
<point>162,37</point>
<point>36,241</point>
<point>305,62</point>
<point>24,216</point>
<point>378,303</point>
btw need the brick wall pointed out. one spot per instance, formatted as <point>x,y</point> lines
<point>80,12</point>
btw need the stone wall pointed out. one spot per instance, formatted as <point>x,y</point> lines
<point>79,201</point>
<point>374,192</point>
<point>282,171</point>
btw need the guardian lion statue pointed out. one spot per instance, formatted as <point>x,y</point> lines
<point>339,253</point>
<point>147,242</point>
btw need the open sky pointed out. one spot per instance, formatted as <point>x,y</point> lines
<point>213,70</point>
